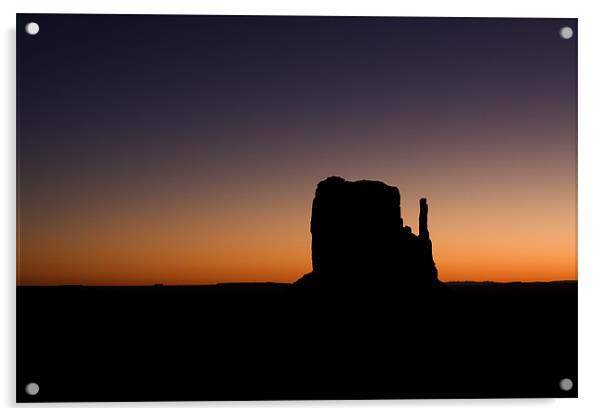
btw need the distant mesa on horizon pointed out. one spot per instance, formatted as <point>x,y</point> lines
<point>359,239</point>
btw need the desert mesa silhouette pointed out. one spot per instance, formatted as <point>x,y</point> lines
<point>359,239</point>
<point>370,321</point>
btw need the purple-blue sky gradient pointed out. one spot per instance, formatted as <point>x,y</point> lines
<point>186,149</point>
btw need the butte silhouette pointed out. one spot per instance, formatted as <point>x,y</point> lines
<point>359,240</point>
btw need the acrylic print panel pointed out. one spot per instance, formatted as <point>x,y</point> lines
<point>267,208</point>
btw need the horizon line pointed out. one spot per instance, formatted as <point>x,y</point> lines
<point>158,284</point>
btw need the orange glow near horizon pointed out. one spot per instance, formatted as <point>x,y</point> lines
<point>486,224</point>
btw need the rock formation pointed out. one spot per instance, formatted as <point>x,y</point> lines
<point>359,240</point>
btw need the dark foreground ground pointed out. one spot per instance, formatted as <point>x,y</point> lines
<point>272,342</point>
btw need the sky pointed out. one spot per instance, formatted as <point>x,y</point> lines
<point>187,149</point>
